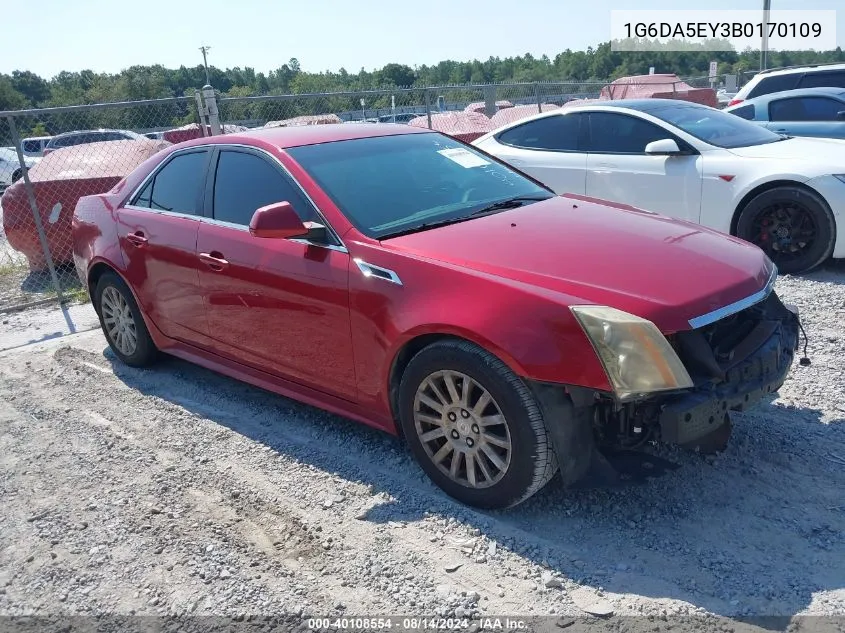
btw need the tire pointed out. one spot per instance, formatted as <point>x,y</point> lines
<point>16,175</point>
<point>814,209</point>
<point>110,292</point>
<point>530,461</point>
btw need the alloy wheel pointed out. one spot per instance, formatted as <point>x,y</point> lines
<point>462,429</point>
<point>119,322</point>
<point>784,230</point>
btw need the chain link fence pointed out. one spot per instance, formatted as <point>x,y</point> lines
<point>89,148</point>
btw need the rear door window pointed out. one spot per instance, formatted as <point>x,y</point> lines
<point>775,83</point>
<point>556,133</point>
<point>177,186</point>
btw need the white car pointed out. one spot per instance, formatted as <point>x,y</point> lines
<point>693,162</point>
<point>10,167</point>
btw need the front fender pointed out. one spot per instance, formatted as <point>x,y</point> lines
<point>534,333</point>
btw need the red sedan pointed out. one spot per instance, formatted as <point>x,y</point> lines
<point>399,277</point>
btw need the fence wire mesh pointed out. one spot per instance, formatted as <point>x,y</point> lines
<point>91,149</point>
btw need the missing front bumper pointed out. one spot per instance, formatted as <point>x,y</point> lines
<point>756,365</point>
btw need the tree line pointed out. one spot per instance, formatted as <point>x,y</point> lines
<point>23,89</point>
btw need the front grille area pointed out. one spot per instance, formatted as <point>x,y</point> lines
<point>710,353</point>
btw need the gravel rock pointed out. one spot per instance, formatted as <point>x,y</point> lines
<point>175,490</point>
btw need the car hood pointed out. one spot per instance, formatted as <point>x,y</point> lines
<point>816,150</point>
<point>582,250</point>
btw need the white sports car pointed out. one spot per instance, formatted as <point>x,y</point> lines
<point>689,161</point>
<point>10,167</point>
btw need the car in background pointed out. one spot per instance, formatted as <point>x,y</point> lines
<point>695,163</point>
<point>10,166</point>
<point>792,77</point>
<point>504,332</point>
<point>70,139</point>
<point>816,112</point>
<point>401,117</point>
<point>33,147</point>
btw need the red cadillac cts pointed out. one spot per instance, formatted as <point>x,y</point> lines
<point>399,277</point>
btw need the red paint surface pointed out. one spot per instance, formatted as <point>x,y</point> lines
<point>304,322</point>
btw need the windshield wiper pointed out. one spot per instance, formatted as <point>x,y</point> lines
<point>509,203</point>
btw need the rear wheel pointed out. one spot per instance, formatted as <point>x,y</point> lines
<point>122,322</point>
<point>17,175</point>
<point>474,426</point>
<point>792,225</point>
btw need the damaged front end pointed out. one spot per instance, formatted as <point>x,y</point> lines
<point>733,362</point>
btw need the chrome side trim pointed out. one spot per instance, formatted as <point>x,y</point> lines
<point>232,225</point>
<point>737,306</point>
<point>369,270</point>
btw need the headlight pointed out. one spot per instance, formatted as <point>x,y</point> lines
<point>636,356</point>
<point>840,177</point>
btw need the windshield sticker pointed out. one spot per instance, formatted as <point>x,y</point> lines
<point>463,157</point>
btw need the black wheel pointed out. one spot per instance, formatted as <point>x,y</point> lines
<point>122,322</point>
<point>793,225</point>
<point>474,426</point>
<point>16,175</point>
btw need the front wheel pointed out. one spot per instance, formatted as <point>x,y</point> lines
<point>474,427</point>
<point>792,225</point>
<point>122,322</point>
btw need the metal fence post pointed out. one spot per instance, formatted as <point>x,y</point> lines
<point>201,113</point>
<point>211,109</point>
<point>489,100</point>
<point>428,106</point>
<point>39,225</point>
<point>537,97</point>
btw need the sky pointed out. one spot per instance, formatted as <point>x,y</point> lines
<point>110,35</point>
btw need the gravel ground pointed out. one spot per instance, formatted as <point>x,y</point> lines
<point>178,491</point>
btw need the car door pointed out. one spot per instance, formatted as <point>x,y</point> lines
<point>157,232</point>
<point>550,149</point>
<point>807,116</point>
<point>618,169</point>
<point>280,305</point>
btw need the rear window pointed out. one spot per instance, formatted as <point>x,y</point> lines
<point>745,112</point>
<point>835,79</point>
<point>775,83</point>
<point>31,146</point>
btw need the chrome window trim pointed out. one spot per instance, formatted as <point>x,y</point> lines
<point>232,225</point>
<point>368,270</point>
<point>737,306</point>
<point>341,247</point>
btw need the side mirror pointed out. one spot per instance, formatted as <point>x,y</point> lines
<point>663,147</point>
<point>840,116</point>
<point>277,220</point>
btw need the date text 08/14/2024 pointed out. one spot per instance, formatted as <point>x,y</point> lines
<point>414,623</point>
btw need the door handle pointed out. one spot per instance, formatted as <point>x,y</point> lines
<point>137,238</point>
<point>214,260</point>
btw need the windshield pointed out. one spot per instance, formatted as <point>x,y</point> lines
<point>389,185</point>
<point>714,126</point>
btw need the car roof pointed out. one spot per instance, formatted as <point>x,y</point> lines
<point>641,105</point>
<point>785,70</point>
<point>799,92</point>
<point>299,135</point>
<point>97,131</point>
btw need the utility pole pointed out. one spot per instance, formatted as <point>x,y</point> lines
<point>764,49</point>
<point>205,50</point>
